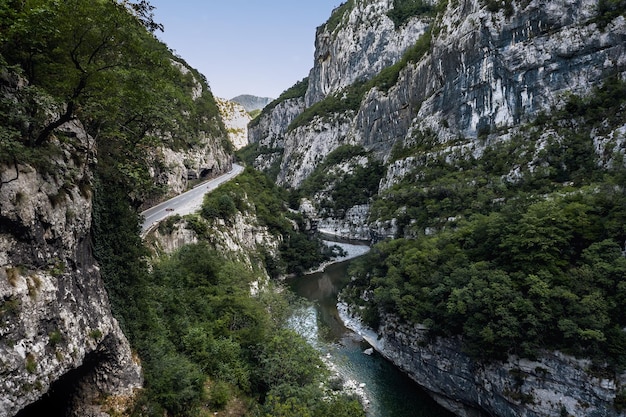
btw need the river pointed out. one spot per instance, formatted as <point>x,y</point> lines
<point>389,392</point>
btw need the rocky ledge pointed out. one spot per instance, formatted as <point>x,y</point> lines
<point>552,385</point>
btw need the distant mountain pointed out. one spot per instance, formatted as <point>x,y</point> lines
<point>251,103</point>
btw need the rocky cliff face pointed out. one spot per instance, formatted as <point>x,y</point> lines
<point>270,129</point>
<point>554,384</point>
<point>484,70</point>
<point>57,333</point>
<point>172,166</point>
<point>236,119</point>
<point>356,44</point>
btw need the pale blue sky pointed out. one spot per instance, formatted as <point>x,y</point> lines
<point>259,47</point>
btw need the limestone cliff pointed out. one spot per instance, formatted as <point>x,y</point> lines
<point>357,43</point>
<point>57,332</point>
<point>483,70</point>
<point>553,384</point>
<point>268,131</point>
<point>236,120</point>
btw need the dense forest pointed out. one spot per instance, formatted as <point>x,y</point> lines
<point>514,264</point>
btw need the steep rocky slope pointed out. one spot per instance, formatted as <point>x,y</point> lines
<point>236,120</point>
<point>55,317</point>
<point>483,70</point>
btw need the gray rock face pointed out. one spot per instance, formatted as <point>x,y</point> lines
<point>552,385</point>
<point>484,70</point>
<point>250,102</point>
<point>487,70</point>
<point>364,42</point>
<point>271,128</point>
<point>55,316</point>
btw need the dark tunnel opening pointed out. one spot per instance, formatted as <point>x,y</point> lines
<point>60,400</point>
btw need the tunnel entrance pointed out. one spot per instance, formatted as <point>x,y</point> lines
<point>206,172</point>
<point>64,396</point>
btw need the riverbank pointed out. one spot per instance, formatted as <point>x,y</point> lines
<point>350,251</point>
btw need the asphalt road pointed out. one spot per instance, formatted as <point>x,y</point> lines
<point>185,203</point>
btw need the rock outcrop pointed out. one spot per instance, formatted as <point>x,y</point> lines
<point>236,119</point>
<point>552,385</point>
<point>55,318</point>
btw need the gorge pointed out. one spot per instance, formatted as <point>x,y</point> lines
<point>479,145</point>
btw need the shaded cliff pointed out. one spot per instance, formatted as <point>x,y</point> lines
<point>54,310</point>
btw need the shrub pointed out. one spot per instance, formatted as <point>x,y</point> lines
<point>404,10</point>
<point>31,363</point>
<point>219,395</point>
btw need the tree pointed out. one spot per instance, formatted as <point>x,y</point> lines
<point>67,48</point>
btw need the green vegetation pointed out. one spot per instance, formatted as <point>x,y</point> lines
<point>404,10</point>
<point>497,5</point>
<point>249,153</point>
<point>620,401</point>
<point>350,98</point>
<point>195,324</point>
<point>31,363</point>
<point>298,90</point>
<point>347,189</point>
<point>338,15</point>
<point>96,62</point>
<point>55,337</point>
<point>202,338</point>
<point>609,10</point>
<point>514,263</point>
<point>255,194</point>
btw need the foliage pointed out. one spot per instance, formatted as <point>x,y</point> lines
<point>609,10</point>
<point>342,101</point>
<point>620,401</point>
<point>513,263</point>
<point>338,15</point>
<point>497,5</point>
<point>96,62</point>
<point>404,10</point>
<point>356,186</point>
<point>254,193</point>
<point>527,277</point>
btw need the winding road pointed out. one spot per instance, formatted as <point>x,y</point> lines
<point>185,203</point>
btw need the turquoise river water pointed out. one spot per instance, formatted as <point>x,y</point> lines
<point>390,393</point>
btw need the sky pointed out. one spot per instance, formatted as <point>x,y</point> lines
<point>258,47</point>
